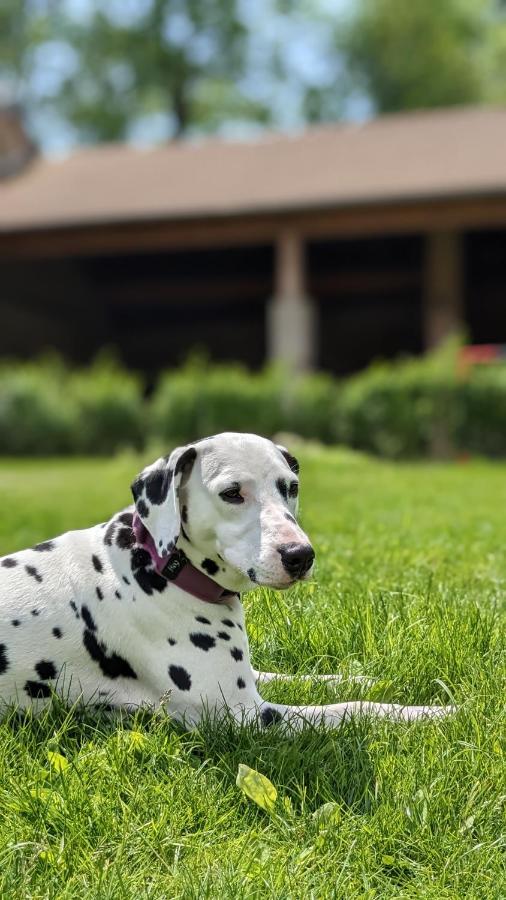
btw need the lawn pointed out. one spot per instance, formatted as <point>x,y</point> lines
<point>410,590</point>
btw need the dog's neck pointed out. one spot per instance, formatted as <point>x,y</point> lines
<point>211,574</point>
<point>214,566</point>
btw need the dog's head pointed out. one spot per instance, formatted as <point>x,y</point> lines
<point>230,501</point>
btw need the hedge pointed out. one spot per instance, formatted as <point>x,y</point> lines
<point>407,409</point>
<point>45,408</point>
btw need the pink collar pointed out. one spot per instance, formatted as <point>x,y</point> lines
<point>178,569</point>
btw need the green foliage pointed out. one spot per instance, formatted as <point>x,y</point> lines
<point>402,409</point>
<point>36,415</point>
<point>407,409</point>
<point>179,60</point>
<point>200,399</point>
<point>109,408</point>
<point>481,427</point>
<point>409,592</point>
<point>101,71</point>
<point>420,54</point>
<point>45,409</point>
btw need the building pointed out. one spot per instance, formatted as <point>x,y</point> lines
<point>328,248</point>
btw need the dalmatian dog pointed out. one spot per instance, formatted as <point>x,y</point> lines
<point>145,609</point>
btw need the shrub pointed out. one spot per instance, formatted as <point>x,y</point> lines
<point>36,416</point>
<point>482,423</point>
<point>45,409</point>
<point>200,399</point>
<point>403,409</point>
<point>108,406</point>
<point>407,409</point>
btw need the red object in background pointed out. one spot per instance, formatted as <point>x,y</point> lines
<point>481,354</point>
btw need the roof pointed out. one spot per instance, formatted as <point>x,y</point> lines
<point>436,154</point>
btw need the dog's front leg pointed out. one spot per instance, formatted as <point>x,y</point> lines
<point>266,677</point>
<point>297,717</point>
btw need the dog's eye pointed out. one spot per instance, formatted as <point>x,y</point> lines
<point>232,495</point>
<point>294,489</point>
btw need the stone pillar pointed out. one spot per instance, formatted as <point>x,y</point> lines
<point>443,301</point>
<point>291,315</point>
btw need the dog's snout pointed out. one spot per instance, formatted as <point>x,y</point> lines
<point>297,559</point>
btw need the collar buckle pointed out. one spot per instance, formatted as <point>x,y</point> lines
<point>174,565</point>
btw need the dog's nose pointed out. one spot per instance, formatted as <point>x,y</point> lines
<point>297,559</point>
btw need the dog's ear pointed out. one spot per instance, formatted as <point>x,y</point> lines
<point>291,461</point>
<point>156,496</point>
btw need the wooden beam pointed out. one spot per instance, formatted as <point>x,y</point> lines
<point>410,217</point>
<point>291,316</point>
<point>443,306</point>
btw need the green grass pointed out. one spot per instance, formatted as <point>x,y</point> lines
<point>409,589</point>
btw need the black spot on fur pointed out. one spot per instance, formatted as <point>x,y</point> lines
<point>36,689</point>
<point>241,683</point>
<point>117,594</point>
<point>108,536</point>
<point>227,622</point>
<point>147,578</point>
<point>57,632</point>
<point>180,677</point>
<point>270,716</point>
<point>252,575</point>
<point>236,654</point>
<point>125,579</point>
<point>88,618</point>
<point>74,608</point>
<point>186,460</point>
<point>99,593</point>
<point>16,622</point>
<point>282,488</point>
<point>292,462</point>
<point>184,513</point>
<point>137,488</point>
<point>125,538</point>
<point>210,566</point>
<point>45,669</point>
<point>97,564</point>
<point>4,662</point>
<point>204,641</point>
<point>8,562</point>
<point>224,635</point>
<point>202,620</point>
<point>142,508</point>
<point>240,626</point>
<point>126,519</point>
<point>157,485</point>
<point>44,545</point>
<point>171,641</point>
<point>35,612</point>
<point>32,572</point>
<point>139,557</point>
<point>290,518</point>
<point>113,665</point>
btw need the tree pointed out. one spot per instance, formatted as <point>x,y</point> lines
<point>421,53</point>
<point>178,59</point>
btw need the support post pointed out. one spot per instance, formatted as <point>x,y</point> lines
<point>291,315</point>
<point>443,287</point>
